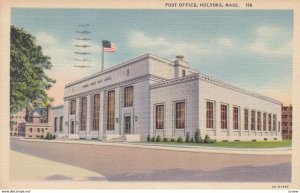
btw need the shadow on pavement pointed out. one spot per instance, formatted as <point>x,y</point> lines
<point>246,173</point>
<point>58,177</point>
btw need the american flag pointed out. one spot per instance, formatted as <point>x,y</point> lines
<point>108,46</point>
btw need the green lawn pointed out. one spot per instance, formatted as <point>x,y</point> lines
<point>237,144</point>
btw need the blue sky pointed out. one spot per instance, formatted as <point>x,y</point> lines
<point>251,49</point>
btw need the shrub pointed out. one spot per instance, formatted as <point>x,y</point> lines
<point>192,140</point>
<point>198,138</point>
<point>206,139</point>
<point>187,137</point>
<point>180,140</point>
<point>53,136</point>
<point>172,140</point>
<point>166,139</point>
<point>153,139</point>
<point>47,136</point>
<point>148,138</point>
<point>158,138</point>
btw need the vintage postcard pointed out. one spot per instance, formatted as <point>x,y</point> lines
<point>152,94</point>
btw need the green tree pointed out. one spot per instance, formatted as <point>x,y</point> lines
<point>28,80</point>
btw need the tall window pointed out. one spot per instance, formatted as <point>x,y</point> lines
<point>128,96</point>
<point>159,117</point>
<point>61,123</point>
<point>223,116</point>
<point>111,110</point>
<point>180,115</point>
<point>183,73</point>
<point>265,121</point>
<point>96,111</point>
<point>83,113</point>
<point>73,107</point>
<point>259,121</point>
<point>274,122</point>
<point>246,119</point>
<point>270,121</point>
<point>209,115</point>
<point>235,118</point>
<point>252,120</point>
<point>55,124</point>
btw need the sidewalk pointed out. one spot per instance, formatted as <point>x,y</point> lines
<point>175,147</point>
<point>24,167</point>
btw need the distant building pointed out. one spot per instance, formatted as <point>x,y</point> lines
<point>17,118</point>
<point>57,121</point>
<point>36,123</point>
<point>287,123</point>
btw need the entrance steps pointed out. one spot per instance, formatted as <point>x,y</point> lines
<point>123,138</point>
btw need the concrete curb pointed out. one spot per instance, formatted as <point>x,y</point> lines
<point>182,148</point>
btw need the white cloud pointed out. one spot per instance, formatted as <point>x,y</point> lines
<point>271,41</point>
<point>225,42</point>
<point>45,39</point>
<point>139,40</point>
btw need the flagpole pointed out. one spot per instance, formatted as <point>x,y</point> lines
<point>102,67</point>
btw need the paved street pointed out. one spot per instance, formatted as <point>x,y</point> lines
<point>137,164</point>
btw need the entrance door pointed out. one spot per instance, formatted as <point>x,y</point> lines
<point>72,127</point>
<point>127,124</point>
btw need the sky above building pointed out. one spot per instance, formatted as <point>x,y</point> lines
<point>251,49</point>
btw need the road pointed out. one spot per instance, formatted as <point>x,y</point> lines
<point>138,164</point>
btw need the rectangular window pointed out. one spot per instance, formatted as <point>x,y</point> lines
<point>55,124</point>
<point>128,96</point>
<point>83,113</point>
<point>246,119</point>
<point>265,121</point>
<point>235,118</point>
<point>223,116</point>
<point>111,110</point>
<point>61,123</point>
<point>183,73</point>
<point>96,112</point>
<point>209,115</point>
<point>73,107</point>
<point>270,121</point>
<point>274,122</point>
<point>252,120</point>
<point>180,115</point>
<point>258,121</point>
<point>159,117</point>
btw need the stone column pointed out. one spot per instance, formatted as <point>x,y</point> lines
<point>229,120</point>
<point>102,115</point>
<point>117,111</point>
<point>218,119</point>
<point>77,116</point>
<point>89,115</point>
<point>66,113</point>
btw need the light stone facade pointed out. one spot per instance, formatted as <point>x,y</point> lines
<point>182,93</point>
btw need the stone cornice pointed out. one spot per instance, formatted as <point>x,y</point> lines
<point>211,80</point>
<point>127,63</point>
<point>120,84</point>
<point>237,89</point>
<point>175,81</point>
